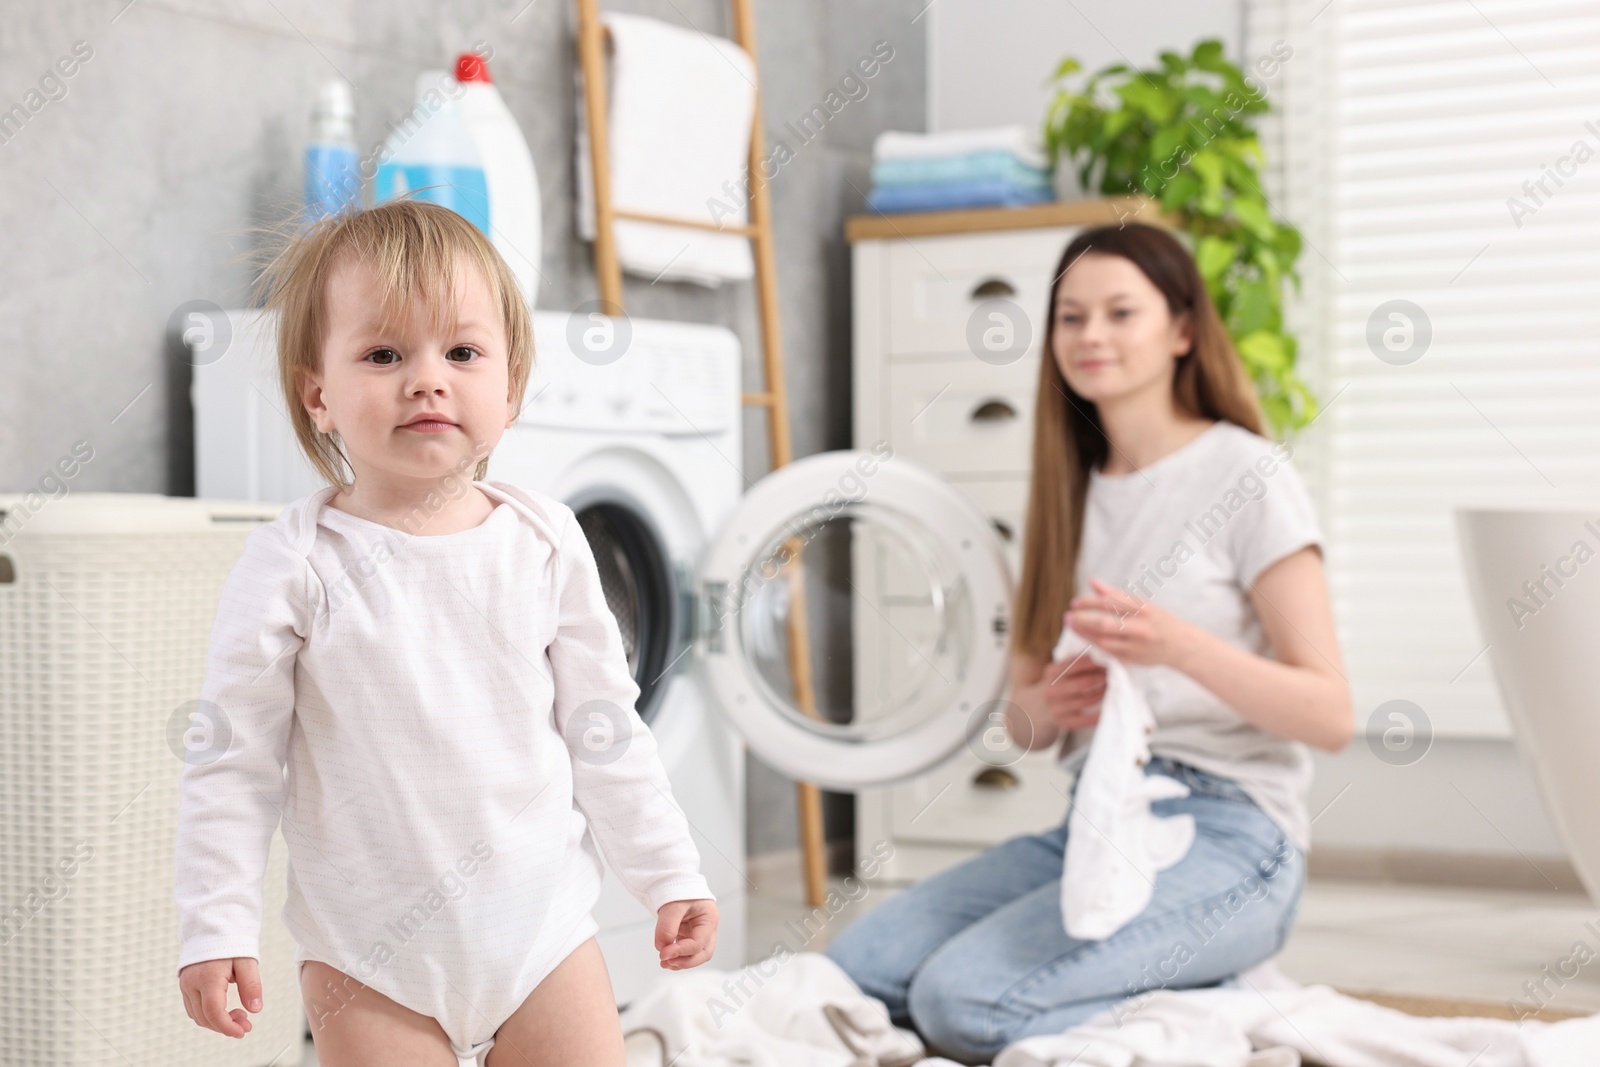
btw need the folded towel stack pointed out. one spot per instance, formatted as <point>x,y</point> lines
<point>957,169</point>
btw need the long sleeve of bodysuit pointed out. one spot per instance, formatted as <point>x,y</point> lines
<point>617,778</point>
<point>232,788</point>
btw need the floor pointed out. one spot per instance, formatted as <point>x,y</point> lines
<point>1473,944</point>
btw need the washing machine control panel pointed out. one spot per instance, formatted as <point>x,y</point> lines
<point>596,372</point>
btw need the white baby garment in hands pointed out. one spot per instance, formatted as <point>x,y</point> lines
<point>1115,845</point>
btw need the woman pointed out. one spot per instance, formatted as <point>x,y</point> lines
<point>1193,547</point>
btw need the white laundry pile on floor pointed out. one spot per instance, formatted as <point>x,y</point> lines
<point>1115,845</point>
<point>789,1010</point>
<point>1270,1020</point>
<point>801,1010</point>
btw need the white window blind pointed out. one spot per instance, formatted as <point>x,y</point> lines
<point>1402,141</point>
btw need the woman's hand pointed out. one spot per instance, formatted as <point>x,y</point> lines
<point>1133,630</point>
<point>1299,692</point>
<point>205,993</point>
<point>686,932</point>
<point>1062,695</point>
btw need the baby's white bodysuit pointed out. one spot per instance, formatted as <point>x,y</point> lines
<point>456,715</point>
<point>1115,844</point>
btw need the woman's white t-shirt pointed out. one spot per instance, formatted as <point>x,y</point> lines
<point>1190,533</point>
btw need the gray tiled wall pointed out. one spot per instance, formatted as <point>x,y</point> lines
<point>131,190</point>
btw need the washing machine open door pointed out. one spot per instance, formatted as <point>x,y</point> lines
<point>898,583</point>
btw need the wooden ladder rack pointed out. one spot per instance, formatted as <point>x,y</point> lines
<point>773,398</point>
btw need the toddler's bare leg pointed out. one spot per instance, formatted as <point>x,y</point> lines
<point>569,1018</point>
<point>354,1025</point>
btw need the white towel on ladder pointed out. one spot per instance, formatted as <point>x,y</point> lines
<point>681,106</point>
<point>1115,844</point>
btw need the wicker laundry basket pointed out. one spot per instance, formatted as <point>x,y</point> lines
<point>106,606</point>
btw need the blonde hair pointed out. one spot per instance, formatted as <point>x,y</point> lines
<point>413,248</point>
<point>1209,381</point>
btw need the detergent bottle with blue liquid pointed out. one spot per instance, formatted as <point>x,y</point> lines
<point>333,182</point>
<point>508,168</point>
<point>431,150</point>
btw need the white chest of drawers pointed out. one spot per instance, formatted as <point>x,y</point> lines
<point>941,391</point>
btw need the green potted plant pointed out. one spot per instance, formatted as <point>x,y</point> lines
<point>1183,134</point>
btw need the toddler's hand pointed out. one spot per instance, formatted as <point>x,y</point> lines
<point>205,993</point>
<point>686,933</point>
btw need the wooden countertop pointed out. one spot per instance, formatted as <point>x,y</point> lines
<point>987,219</point>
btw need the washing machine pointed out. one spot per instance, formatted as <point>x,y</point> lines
<point>845,617</point>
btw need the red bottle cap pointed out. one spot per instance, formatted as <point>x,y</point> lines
<point>470,67</point>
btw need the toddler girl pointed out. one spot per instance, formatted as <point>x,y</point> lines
<point>431,657</point>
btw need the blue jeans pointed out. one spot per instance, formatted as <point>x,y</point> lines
<point>976,956</point>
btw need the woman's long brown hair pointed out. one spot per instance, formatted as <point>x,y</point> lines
<point>1209,381</point>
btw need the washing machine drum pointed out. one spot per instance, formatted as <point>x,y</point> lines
<point>640,588</point>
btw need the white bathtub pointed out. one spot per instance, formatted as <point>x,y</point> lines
<point>1534,577</point>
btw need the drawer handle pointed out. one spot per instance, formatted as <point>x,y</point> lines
<point>994,411</point>
<point>993,288</point>
<point>995,778</point>
<point>1003,528</point>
